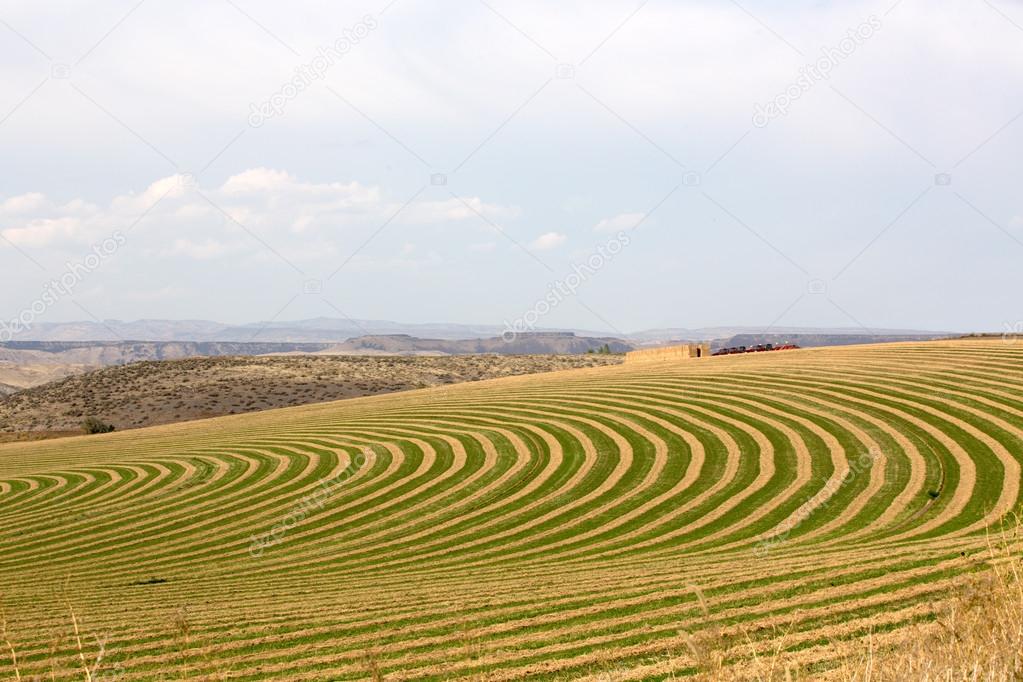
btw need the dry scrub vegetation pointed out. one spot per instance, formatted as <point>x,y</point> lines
<point>976,635</point>
<point>162,392</point>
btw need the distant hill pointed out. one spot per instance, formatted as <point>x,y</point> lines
<point>524,344</point>
<point>105,353</point>
<point>147,393</point>
<point>338,330</point>
<point>24,364</point>
<point>65,349</point>
<point>817,340</point>
<point>660,336</point>
<point>317,330</point>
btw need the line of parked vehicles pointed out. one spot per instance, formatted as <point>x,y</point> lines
<point>755,349</point>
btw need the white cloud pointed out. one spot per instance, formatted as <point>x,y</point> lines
<point>41,231</point>
<point>23,204</point>
<point>306,220</point>
<point>171,187</point>
<point>548,241</point>
<point>422,84</point>
<point>622,221</point>
<point>411,74</point>
<point>468,208</point>
<point>935,75</point>
<point>302,223</point>
<point>33,220</point>
<point>205,250</point>
<point>256,180</point>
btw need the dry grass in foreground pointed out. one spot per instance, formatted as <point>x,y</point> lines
<point>975,636</point>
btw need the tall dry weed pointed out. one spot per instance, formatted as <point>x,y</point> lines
<point>977,636</point>
<point>7,640</point>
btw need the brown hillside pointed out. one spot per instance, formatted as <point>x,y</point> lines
<point>149,393</point>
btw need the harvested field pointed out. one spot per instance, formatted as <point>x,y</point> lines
<point>768,516</point>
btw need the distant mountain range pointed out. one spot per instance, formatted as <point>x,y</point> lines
<point>68,349</point>
<point>30,363</point>
<point>814,340</point>
<point>554,343</point>
<point>317,330</point>
<point>24,364</point>
<point>335,330</point>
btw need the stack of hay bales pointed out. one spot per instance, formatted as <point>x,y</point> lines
<point>685,351</point>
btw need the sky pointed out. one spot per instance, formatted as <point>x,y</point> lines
<point>614,166</point>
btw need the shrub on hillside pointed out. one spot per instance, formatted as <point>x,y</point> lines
<point>95,425</point>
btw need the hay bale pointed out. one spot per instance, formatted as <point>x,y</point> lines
<point>686,351</point>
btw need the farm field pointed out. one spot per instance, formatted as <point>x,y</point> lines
<point>633,522</point>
